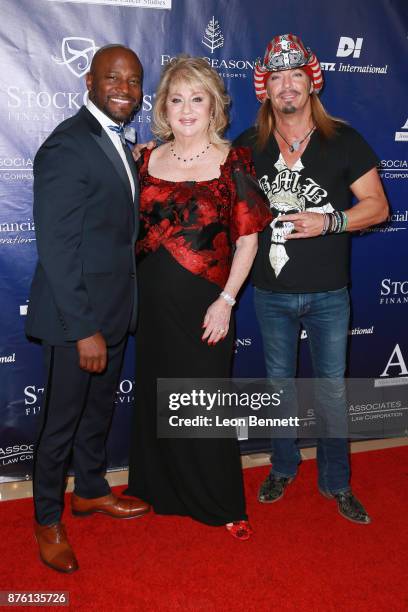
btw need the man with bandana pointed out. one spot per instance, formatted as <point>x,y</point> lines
<point>310,165</point>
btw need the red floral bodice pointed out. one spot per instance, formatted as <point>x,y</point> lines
<point>198,222</point>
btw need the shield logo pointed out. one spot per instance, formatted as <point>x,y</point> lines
<point>77,54</point>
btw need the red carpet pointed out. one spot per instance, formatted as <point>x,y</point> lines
<point>304,556</point>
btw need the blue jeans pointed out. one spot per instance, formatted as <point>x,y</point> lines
<point>325,317</point>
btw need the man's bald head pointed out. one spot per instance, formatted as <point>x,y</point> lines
<point>102,51</point>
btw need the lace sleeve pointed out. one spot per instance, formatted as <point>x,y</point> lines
<point>250,209</point>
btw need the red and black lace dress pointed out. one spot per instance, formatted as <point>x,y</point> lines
<point>185,249</point>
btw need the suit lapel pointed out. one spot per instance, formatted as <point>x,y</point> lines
<point>110,151</point>
<point>105,143</point>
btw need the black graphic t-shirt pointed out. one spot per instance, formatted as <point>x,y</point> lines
<point>318,182</point>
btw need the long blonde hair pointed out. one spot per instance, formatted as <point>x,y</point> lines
<point>326,124</point>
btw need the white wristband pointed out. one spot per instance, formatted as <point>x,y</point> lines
<point>228,298</point>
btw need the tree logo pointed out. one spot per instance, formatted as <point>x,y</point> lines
<point>213,37</point>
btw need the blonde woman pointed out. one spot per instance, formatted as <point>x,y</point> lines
<point>200,213</point>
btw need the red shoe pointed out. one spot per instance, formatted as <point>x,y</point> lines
<point>241,530</point>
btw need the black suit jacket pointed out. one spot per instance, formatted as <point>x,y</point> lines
<point>86,224</point>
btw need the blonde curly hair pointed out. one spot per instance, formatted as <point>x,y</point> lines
<point>197,71</point>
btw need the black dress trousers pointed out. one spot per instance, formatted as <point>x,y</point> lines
<point>74,423</point>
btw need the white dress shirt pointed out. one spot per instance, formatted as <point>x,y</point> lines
<point>105,121</point>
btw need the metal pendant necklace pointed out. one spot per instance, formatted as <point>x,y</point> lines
<point>188,159</point>
<point>295,146</point>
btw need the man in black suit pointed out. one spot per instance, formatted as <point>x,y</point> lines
<point>83,296</point>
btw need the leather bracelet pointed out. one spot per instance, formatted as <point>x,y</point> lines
<point>228,298</point>
<point>334,223</point>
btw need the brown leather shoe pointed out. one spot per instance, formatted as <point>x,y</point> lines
<point>117,507</point>
<point>55,550</point>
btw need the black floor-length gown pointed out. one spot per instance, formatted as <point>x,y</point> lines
<point>185,252</point>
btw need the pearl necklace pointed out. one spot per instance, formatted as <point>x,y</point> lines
<point>295,146</point>
<point>188,159</point>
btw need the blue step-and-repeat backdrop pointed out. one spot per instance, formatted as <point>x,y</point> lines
<point>46,49</point>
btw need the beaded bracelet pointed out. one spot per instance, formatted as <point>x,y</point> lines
<point>228,298</point>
